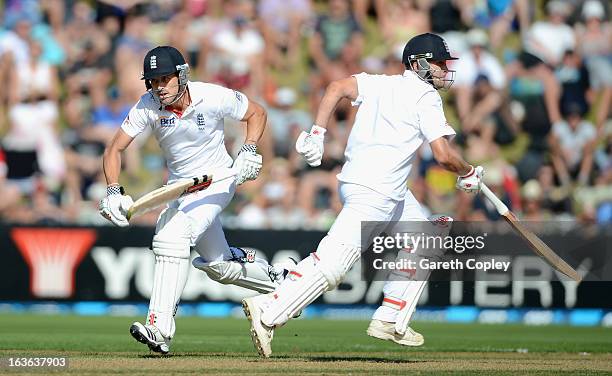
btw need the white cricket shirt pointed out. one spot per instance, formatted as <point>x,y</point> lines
<point>396,115</point>
<point>193,143</point>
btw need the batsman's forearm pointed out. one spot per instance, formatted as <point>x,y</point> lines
<point>328,104</point>
<point>111,162</point>
<point>454,163</point>
<point>448,157</point>
<point>255,127</point>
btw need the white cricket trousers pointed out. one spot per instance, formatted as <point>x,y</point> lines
<point>203,209</point>
<point>364,204</point>
<point>361,203</point>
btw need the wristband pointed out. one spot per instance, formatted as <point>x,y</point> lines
<point>114,190</point>
<point>249,148</point>
<point>472,169</point>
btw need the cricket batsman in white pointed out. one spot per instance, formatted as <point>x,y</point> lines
<point>187,120</point>
<point>396,115</point>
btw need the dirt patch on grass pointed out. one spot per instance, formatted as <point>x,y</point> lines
<point>327,363</point>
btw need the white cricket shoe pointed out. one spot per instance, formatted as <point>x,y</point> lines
<point>150,336</point>
<point>261,334</point>
<point>386,331</point>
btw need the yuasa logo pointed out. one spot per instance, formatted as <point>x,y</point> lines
<point>52,256</point>
<point>166,121</point>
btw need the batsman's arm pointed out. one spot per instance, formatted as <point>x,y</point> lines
<point>344,88</point>
<point>111,161</point>
<point>448,157</point>
<point>256,118</point>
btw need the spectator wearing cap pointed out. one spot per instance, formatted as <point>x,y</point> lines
<point>237,51</point>
<point>573,143</point>
<point>532,202</point>
<point>550,38</point>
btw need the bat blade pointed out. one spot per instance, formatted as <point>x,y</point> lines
<point>535,243</point>
<point>541,248</point>
<point>165,194</point>
<point>170,192</point>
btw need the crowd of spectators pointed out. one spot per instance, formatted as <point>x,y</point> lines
<point>531,101</point>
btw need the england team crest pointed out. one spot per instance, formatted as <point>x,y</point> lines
<point>200,121</point>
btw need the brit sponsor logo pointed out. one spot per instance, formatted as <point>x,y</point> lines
<point>153,62</point>
<point>167,122</point>
<point>52,256</point>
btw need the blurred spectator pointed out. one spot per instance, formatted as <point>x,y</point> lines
<point>237,51</point>
<point>280,191</point>
<point>574,79</point>
<point>555,197</point>
<point>14,42</point>
<point>393,61</point>
<point>533,209</point>
<point>9,192</point>
<point>477,62</point>
<point>131,49</point>
<point>594,36</point>
<point>252,216</point>
<point>603,158</point>
<point>448,15</point>
<point>534,85</point>
<point>286,121</point>
<point>335,47</point>
<point>282,22</point>
<point>501,17</point>
<point>318,194</point>
<point>400,20</point>
<point>33,124</point>
<point>549,39</point>
<point>37,81</point>
<point>573,144</point>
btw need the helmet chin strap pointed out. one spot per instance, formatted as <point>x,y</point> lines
<point>177,97</point>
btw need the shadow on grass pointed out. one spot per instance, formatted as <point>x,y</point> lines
<point>285,357</point>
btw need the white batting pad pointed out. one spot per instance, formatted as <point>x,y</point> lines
<point>171,249</point>
<point>316,274</point>
<point>404,287</point>
<point>251,275</point>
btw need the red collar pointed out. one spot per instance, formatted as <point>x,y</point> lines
<point>178,113</point>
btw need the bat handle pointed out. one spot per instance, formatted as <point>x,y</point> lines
<point>501,208</point>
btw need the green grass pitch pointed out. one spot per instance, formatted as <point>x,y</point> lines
<point>102,345</point>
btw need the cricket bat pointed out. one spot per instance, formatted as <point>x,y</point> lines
<point>167,193</point>
<point>535,243</point>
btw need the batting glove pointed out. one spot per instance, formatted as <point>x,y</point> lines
<point>115,205</point>
<point>248,163</point>
<point>310,145</point>
<point>470,182</point>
